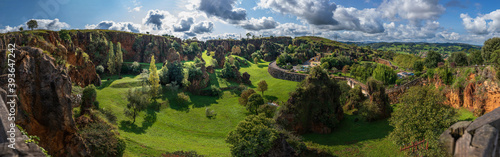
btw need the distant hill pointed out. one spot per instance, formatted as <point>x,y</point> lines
<point>416,48</point>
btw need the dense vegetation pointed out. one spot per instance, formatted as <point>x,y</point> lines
<point>416,48</point>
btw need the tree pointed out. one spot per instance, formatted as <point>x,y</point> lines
<point>164,74</point>
<point>32,24</point>
<point>248,35</point>
<point>475,57</point>
<point>253,136</point>
<point>459,58</point>
<point>227,71</point>
<point>176,46</point>
<point>345,69</point>
<point>99,69</point>
<point>119,58</point>
<point>111,59</point>
<point>88,98</point>
<point>138,101</point>
<point>254,101</point>
<point>315,101</point>
<point>421,115</point>
<point>432,59</point>
<point>175,72</point>
<point>244,96</point>
<point>21,29</point>
<point>136,67</point>
<point>418,65</point>
<point>490,46</point>
<point>262,86</point>
<point>385,74</point>
<point>154,79</point>
<point>379,106</point>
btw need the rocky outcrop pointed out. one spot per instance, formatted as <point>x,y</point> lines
<point>477,138</point>
<point>44,106</point>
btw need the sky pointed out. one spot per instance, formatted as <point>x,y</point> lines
<point>435,21</point>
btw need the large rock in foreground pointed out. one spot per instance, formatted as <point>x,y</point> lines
<point>44,107</point>
<point>477,138</point>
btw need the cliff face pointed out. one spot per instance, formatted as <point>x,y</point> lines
<point>44,106</point>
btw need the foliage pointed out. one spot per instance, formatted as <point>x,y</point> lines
<point>109,114</point>
<point>137,102</point>
<point>111,59</point>
<point>64,35</point>
<point>227,71</point>
<point>345,69</point>
<point>163,74</point>
<point>103,140</point>
<point>136,67</point>
<point>209,113</point>
<point>285,59</point>
<point>418,65</point>
<point>194,72</point>
<point>254,101</point>
<point>99,69</point>
<point>337,62</point>
<point>154,79</point>
<point>118,58</point>
<point>370,111</point>
<point>88,98</point>
<point>262,86</point>
<point>215,91</point>
<point>252,137</point>
<point>32,24</point>
<point>475,57</point>
<point>182,154</point>
<point>316,100</point>
<point>459,58</point>
<point>385,74</point>
<point>379,98</point>
<point>446,75</point>
<point>183,98</point>
<point>489,47</point>
<point>422,115</point>
<point>405,60</point>
<point>268,110</point>
<point>432,59</point>
<point>245,95</point>
<point>362,71</point>
<point>175,72</point>
<point>355,98</point>
<point>430,73</point>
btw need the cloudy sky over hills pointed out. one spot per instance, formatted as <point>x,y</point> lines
<point>463,21</point>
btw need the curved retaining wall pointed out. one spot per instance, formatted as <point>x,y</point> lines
<point>283,74</point>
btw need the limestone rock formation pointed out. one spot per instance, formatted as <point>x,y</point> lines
<point>44,106</point>
<point>477,138</point>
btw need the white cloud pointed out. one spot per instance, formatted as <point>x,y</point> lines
<point>482,24</point>
<point>316,12</point>
<point>120,26</point>
<point>365,20</point>
<point>46,24</point>
<point>136,9</point>
<point>159,19</point>
<point>259,24</point>
<point>414,11</point>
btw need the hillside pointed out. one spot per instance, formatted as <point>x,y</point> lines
<point>416,48</point>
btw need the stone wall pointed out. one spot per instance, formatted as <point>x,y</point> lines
<point>477,138</point>
<point>283,74</point>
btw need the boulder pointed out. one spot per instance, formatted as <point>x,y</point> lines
<point>492,118</point>
<point>485,141</point>
<point>463,145</point>
<point>457,129</point>
<point>448,142</point>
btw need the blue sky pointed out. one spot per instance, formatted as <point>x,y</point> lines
<point>464,21</point>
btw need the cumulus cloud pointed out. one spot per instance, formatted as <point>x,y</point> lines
<point>223,9</point>
<point>157,18</point>
<point>414,11</point>
<point>453,36</point>
<point>482,24</point>
<point>259,24</point>
<point>184,24</point>
<point>286,29</point>
<point>365,20</point>
<point>457,3</point>
<point>203,27</point>
<point>120,26</point>
<point>46,24</point>
<point>316,12</point>
<point>136,9</point>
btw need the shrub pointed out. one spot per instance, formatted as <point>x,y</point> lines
<point>135,67</point>
<point>253,136</point>
<point>99,69</point>
<point>182,153</point>
<point>244,96</point>
<point>88,98</point>
<point>215,91</point>
<point>268,110</point>
<point>209,112</point>
<point>103,140</point>
<point>183,98</point>
<point>370,111</point>
<point>254,101</point>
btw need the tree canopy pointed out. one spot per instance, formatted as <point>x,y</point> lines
<point>154,79</point>
<point>262,86</point>
<point>432,59</point>
<point>32,24</point>
<point>253,136</point>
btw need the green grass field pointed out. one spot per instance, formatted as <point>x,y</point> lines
<point>176,128</point>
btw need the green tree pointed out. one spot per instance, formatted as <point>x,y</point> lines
<point>154,79</point>
<point>248,35</point>
<point>254,101</point>
<point>111,59</point>
<point>253,136</point>
<point>119,58</point>
<point>103,139</point>
<point>176,46</point>
<point>138,102</point>
<point>262,86</point>
<point>21,29</point>
<point>459,58</point>
<point>421,115</point>
<point>227,71</point>
<point>385,74</point>
<point>475,57</point>
<point>88,98</point>
<point>490,46</point>
<point>244,96</point>
<point>164,74</point>
<point>432,59</point>
<point>32,24</point>
<point>379,105</point>
<point>418,66</point>
<point>175,72</point>
<point>99,69</point>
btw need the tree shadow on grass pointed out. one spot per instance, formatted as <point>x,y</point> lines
<point>203,101</point>
<point>174,104</point>
<point>149,119</point>
<point>351,132</point>
<point>270,97</point>
<point>262,66</point>
<point>106,84</point>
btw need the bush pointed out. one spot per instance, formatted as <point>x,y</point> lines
<point>103,140</point>
<point>136,67</point>
<point>182,153</point>
<point>209,112</point>
<point>215,91</point>
<point>88,98</point>
<point>99,69</point>
<point>253,136</point>
<point>268,110</point>
<point>370,111</point>
<point>183,98</point>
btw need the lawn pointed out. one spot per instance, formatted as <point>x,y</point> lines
<point>175,127</point>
